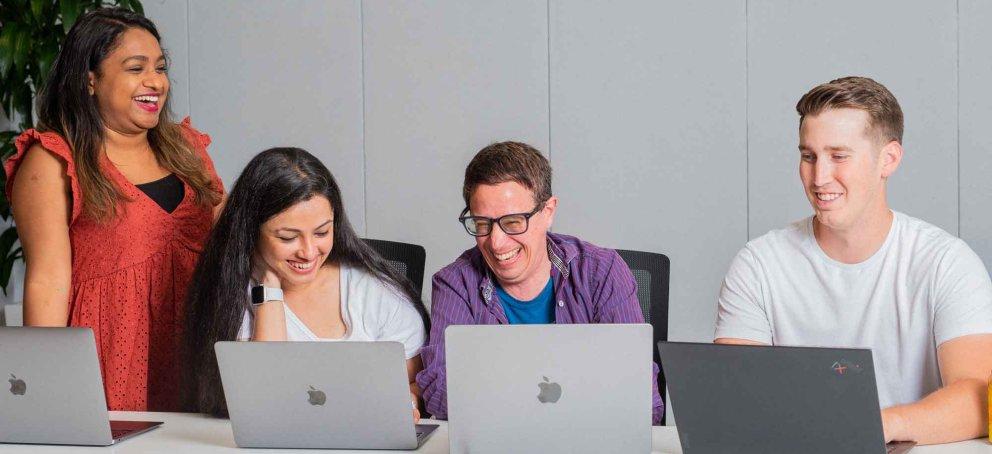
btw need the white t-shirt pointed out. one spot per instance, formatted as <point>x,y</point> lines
<point>372,311</point>
<point>922,288</point>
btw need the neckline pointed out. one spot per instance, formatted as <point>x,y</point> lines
<point>342,306</point>
<point>169,177</point>
<point>815,245</point>
<point>137,194</point>
<point>547,290</point>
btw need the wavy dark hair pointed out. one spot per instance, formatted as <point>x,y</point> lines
<point>66,107</point>
<point>273,181</point>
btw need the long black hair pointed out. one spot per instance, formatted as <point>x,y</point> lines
<point>273,181</point>
<point>66,107</point>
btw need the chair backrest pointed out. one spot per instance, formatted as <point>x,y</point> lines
<point>651,272</point>
<point>406,258</point>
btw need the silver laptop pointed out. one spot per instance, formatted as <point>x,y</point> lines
<point>549,388</point>
<point>323,395</point>
<point>54,392</point>
<point>762,399</point>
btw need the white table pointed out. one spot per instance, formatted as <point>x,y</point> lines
<point>193,434</point>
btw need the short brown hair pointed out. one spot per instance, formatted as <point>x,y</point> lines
<point>884,114</point>
<point>509,161</point>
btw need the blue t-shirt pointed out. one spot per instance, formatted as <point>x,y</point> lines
<point>536,311</point>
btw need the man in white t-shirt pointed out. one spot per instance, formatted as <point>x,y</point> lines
<point>857,274</point>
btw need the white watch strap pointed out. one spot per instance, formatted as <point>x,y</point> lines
<point>271,294</point>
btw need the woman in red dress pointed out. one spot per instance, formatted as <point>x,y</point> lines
<point>112,201</point>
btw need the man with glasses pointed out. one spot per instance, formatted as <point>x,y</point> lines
<point>518,272</point>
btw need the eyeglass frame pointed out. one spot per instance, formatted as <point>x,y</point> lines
<point>462,217</point>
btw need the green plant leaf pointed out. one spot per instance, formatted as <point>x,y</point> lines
<point>6,47</point>
<point>22,98</point>
<point>38,10</point>
<point>70,10</point>
<point>7,266</point>
<point>137,7</point>
<point>46,56</point>
<point>7,240</point>
<point>21,45</point>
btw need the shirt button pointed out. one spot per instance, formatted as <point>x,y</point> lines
<point>561,303</point>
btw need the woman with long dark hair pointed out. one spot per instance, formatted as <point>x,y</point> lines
<point>112,201</point>
<point>284,234</point>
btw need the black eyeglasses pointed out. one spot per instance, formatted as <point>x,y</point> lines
<point>512,224</point>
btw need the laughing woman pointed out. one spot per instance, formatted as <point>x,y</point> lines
<point>284,232</point>
<point>113,201</point>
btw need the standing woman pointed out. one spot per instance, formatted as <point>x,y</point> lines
<point>113,201</point>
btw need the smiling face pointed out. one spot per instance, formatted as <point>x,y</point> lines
<point>516,260</point>
<point>844,167</point>
<point>131,85</point>
<point>297,241</point>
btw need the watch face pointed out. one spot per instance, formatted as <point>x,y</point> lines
<point>260,294</point>
<point>257,294</point>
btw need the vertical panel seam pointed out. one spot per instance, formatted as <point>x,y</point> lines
<point>747,126</point>
<point>365,168</point>
<point>548,31</point>
<point>957,76</point>
<point>189,64</point>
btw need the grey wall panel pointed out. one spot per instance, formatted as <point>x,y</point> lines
<point>910,47</point>
<point>648,138</point>
<point>288,73</point>
<point>170,17</point>
<point>975,118</point>
<point>442,80</point>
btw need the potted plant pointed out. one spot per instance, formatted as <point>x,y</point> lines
<point>31,32</point>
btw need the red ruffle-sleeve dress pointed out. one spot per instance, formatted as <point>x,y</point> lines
<point>129,277</point>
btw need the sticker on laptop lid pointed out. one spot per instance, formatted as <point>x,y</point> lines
<point>845,367</point>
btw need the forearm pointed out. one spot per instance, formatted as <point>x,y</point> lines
<point>46,303</point>
<point>953,413</point>
<point>270,322</point>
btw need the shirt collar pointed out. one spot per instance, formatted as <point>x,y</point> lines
<point>560,254</point>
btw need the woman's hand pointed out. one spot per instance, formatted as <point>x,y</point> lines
<point>416,412</point>
<point>270,316</point>
<point>263,274</point>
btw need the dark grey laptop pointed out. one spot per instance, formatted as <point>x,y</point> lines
<point>322,395</point>
<point>762,399</point>
<point>55,391</point>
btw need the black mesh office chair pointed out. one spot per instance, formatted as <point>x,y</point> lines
<point>406,258</point>
<point>651,271</point>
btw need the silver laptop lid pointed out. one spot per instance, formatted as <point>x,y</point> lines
<point>761,399</point>
<point>330,395</point>
<point>549,388</point>
<point>54,391</point>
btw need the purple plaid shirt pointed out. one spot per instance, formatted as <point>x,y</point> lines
<point>591,285</point>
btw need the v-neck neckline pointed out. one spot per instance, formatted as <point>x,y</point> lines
<point>131,187</point>
<point>342,308</point>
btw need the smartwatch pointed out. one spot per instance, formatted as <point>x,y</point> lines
<point>261,294</point>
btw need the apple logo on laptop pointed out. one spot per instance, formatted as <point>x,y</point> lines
<point>17,386</point>
<point>550,391</point>
<point>316,396</point>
